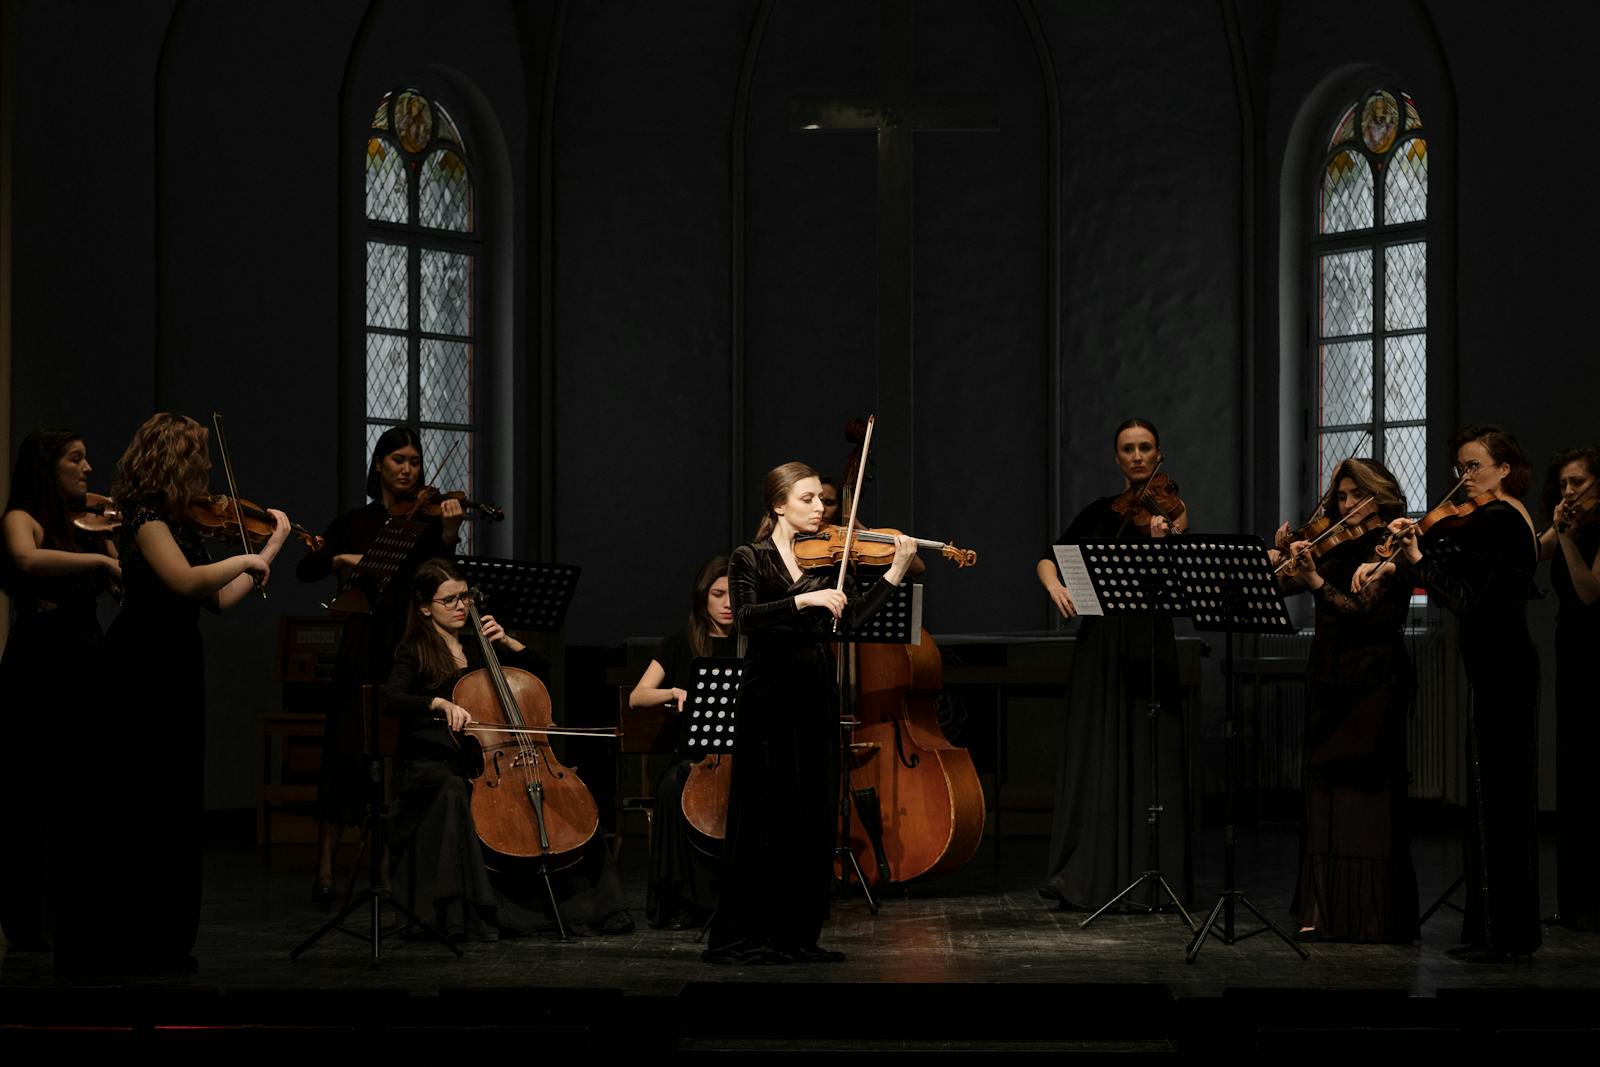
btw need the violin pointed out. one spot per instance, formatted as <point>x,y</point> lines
<point>1140,503</point>
<point>1362,520</point>
<point>873,548</point>
<point>214,515</point>
<point>98,514</point>
<point>1446,516</point>
<point>1571,514</point>
<point>429,501</point>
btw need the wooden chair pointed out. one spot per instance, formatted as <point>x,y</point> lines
<point>641,733</point>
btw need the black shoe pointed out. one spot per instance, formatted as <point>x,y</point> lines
<point>1308,936</point>
<point>322,894</point>
<point>619,922</point>
<point>817,954</point>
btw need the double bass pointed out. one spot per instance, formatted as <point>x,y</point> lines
<point>919,803</point>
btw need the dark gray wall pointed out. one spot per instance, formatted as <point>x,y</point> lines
<point>186,209</point>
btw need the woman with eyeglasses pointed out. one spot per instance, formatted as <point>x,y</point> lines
<point>1356,881</point>
<point>1481,568</point>
<point>366,644</point>
<point>1572,544</point>
<point>437,863</point>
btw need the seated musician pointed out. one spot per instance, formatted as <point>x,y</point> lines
<point>438,868</point>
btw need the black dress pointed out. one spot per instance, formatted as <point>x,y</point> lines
<point>1099,837</point>
<point>438,868</point>
<point>683,873</point>
<point>1482,571</point>
<point>366,648</point>
<point>1357,882</point>
<point>140,906</point>
<point>783,802</point>
<point>54,646</point>
<point>1578,738</point>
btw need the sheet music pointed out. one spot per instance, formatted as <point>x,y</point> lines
<point>1075,576</point>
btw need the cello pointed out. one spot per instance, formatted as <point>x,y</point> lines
<point>920,803</point>
<point>526,805</point>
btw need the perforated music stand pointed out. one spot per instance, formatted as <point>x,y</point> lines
<point>1131,578</point>
<point>1230,588</point>
<point>396,540</point>
<point>711,713</point>
<point>897,622</point>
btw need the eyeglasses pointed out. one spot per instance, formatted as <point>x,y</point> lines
<point>1462,472</point>
<point>456,598</point>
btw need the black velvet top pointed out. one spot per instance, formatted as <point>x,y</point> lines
<point>1359,638</point>
<point>1573,612</point>
<point>763,601</point>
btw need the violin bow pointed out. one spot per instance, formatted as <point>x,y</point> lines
<point>1390,542</point>
<point>233,491</point>
<point>1330,531</point>
<point>855,501</point>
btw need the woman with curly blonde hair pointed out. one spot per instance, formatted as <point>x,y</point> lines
<point>152,772</point>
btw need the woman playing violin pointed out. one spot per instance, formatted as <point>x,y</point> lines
<point>438,864</point>
<point>1098,837</point>
<point>1481,568</point>
<point>367,642</point>
<point>683,878</point>
<point>1357,882</point>
<point>778,858</point>
<point>150,767</point>
<point>54,574</point>
<point>1572,544</point>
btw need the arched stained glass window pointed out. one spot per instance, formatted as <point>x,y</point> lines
<point>1370,273</point>
<point>422,249</point>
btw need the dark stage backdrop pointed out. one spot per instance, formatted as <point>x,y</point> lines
<point>682,289</point>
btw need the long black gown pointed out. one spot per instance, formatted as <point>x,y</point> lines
<point>1357,882</point>
<point>54,646</point>
<point>438,867</point>
<point>1578,738</point>
<point>1482,570</point>
<point>783,801</point>
<point>138,906</point>
<point>1099,837</point>
<point>366,648</point>
<point>683,874</point>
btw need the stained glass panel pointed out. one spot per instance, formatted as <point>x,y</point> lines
<point>380,118</point>
<point>446,293</point>
<point>1405,378</point>
<point>388,377</point>
<point>1413,119</point>
<point>1346,384</point>
<point>387,304</point>
<point>1405,193</point>
<point>1380,121</point>
<point>386,182</point>
<point>1346,130</point>
<point>1405,453</point>
<point>446,381</point>
<point>446,193</point>
<point>1346,193</point>
<point>1405,299</point>
<point>447,125</point>
<point>1336,447</point>
<point>1346,287</point>
<point>413,121</point>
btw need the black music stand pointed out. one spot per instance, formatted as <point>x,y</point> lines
<point>533,597</point>
<point>711,712</point>
<point>1230,588</point>
<point>897,622</point>
<point>1115,578</point>
<point>375,840</point>
<point>395,541</point>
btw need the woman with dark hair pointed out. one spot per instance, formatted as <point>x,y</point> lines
<point>783,803</point>
<point>1099,839</point>
<point>150,783</point>
<point>438,864</point>
<point>54,575</point>
<point>366,645</point>
<point>683,876</point>
<point>1482,570</point>
<point>1572,544</point>
<point>833,503</point>
<point>1356,881</point>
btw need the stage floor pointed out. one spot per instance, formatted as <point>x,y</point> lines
<point>977,956</point>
